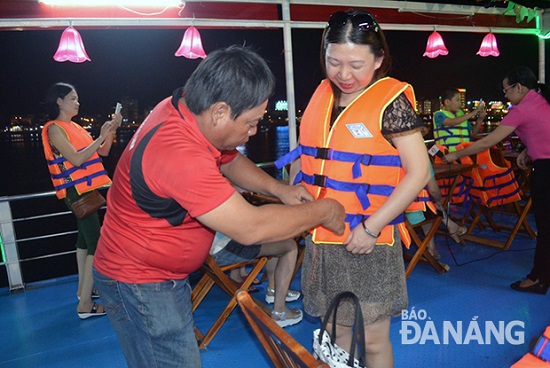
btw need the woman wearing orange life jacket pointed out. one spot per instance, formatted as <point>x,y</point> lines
<point>75,169</point>
<point>529,118</point>
<point>361,144</point>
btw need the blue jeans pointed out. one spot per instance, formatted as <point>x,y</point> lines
<point>153,322</point>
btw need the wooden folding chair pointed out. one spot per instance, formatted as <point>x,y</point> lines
<point>521,224</point>
<point>213,274</point>
<point>282,349</point>
<point>514,209</point>
<point>422,246</point>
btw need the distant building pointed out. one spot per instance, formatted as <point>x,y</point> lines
<point>130,111</point>
<point>462,92</point>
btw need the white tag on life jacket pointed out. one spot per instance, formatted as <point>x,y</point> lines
<point>433,151</point>
<point>358,130</point>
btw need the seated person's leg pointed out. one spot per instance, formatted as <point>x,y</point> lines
<point>234,252</point>
<point>279,272</point>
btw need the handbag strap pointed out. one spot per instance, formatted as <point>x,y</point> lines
<point>358,325</point>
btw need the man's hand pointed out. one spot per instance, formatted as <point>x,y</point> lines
<point>336,216</point>
<point>295,194</point>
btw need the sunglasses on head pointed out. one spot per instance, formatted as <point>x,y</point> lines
<point>362,21</point>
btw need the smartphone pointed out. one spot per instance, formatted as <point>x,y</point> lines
<point>118,108</point>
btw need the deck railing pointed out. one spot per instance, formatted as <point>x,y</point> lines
<point>11,244</point>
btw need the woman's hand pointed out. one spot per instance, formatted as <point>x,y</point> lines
<point>359,242</point>
<point>105,129</point>
<point>117,121</point>
<point>524,161</point>
<point>114,124</point>
<point>450,157</point>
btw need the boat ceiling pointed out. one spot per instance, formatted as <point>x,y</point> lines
<point>461,16</point>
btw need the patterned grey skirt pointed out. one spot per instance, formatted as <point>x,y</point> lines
<point>378,280</point>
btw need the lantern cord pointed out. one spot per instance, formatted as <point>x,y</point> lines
<point>181,7</point>
<point>468,17</point>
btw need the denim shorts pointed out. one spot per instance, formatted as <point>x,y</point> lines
<point>235,252</point>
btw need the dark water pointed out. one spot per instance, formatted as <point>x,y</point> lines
<point>25,172</point>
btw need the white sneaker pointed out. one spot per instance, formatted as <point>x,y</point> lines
<point>287,318</point>
<point>291,295</point>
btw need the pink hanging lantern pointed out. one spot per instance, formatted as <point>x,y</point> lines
<point>71,47</point>
<point>191,45</point>
<point>488,46</point>
<point>435,46</point>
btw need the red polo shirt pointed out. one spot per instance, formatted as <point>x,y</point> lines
<point>168,175</point>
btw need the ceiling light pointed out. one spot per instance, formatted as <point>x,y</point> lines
<point>129,3</point>
<point>435,46</point>
<point>191,45</point>
<point>71,47</point>
<point>489,46</point>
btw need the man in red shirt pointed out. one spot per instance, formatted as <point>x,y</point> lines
<point>170,194</point>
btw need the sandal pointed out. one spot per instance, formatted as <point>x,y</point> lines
<point>287,318</point>
<point>434,254</point>
<point>94,312</point>
<point>537,288</point>
<point>244,275</point>
<point>458,234</point>
<point>95,294</point>
<point>291,295</point>
<point>251,288</point>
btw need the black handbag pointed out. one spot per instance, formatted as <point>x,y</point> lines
<point>330,353</point>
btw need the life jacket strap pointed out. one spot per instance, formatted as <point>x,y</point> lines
<point>70,171</point>
<point>343,156</point>
<point>542,349</point>
<point>356,219</point>
<point>360,189</point>
<point>87,179</point>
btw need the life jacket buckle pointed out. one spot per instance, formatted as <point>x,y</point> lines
<point>323,153</point>
<point>367,188</point>
<point>319,180</point>
<point>366,162</point>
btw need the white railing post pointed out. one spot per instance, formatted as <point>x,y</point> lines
<point>7,231</point>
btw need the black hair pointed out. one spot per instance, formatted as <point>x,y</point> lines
<point>350,33</point>
<point>235,75</point>
<point>525,76</point>
<point>58,90</point>
<point>448,94</point>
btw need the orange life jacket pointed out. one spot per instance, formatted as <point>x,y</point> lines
<point>492,185</point>
<point>86,177</point>
<point>463,185</point>
<point>539,357</point>
<point>352,162</point>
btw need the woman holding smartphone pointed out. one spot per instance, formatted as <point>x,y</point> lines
<point>76,170</point>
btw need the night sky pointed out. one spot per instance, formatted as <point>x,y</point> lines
<point>140,64</point>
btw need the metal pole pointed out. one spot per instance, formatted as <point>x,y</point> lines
<point>542,61</point>
<point>289,73</point>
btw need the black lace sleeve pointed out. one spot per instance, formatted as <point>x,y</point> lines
<point>401,119</point>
